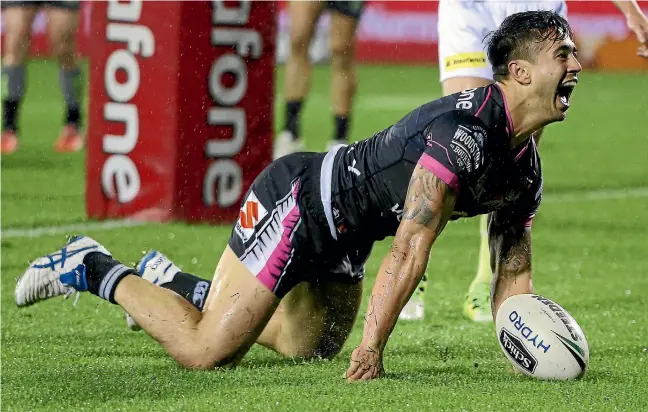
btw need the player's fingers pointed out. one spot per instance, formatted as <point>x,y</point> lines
<point>367,376</point>
<point>350,373</point>
<point>351,370</point>
<point>372,373</point>
<point>357,374</point>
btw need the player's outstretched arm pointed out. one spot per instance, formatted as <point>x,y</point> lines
<point>637,22</point>
<point>510,246</point>
<point>428,207</point>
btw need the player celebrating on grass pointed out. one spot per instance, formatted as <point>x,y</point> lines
<point>291,276</point>
<point>63,17</point>
<point>463,65</point>
<point>304,16</point>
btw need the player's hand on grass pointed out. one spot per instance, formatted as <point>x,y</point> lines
<point>366,364</point>
<point>638,23</point>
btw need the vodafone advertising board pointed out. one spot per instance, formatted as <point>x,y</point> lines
<point>181,102</point>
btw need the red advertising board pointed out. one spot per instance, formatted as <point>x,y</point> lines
<point>181,107</point>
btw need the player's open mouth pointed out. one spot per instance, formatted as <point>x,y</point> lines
<point>563,94</point>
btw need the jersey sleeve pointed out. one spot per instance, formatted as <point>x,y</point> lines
<point>454,149</point>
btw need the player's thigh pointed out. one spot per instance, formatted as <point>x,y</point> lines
<point>304,16</point>
<point>462,27</point>
<point>63,24</point>
<point>237,310</point>
<point>314,319</point>
<point>342,36</point>
<point>17,18</point>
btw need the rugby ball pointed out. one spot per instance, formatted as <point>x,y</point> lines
<point>541,339</point>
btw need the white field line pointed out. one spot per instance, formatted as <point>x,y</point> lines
<point>77,228</point>
<point>80,228</point>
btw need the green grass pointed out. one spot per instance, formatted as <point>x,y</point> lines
<point>589,255</point>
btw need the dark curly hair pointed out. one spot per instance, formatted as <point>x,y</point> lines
<point>520,37</point>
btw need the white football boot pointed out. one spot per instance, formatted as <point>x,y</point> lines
<point>157,269</point>
<point>60,273</point>
<point>285,144</point>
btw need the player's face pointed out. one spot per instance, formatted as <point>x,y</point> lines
<point>556,74</point>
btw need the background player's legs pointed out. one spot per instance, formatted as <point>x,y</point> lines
<point>343,76</point>
<point>237,310</point>
<point>17,21</point>
<point>477,304</point>
<point>313,320</point>
<point>63,25</point>
<point>303,21</point>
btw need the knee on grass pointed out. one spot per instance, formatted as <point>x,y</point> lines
<point>205,360</point>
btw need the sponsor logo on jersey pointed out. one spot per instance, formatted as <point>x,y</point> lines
<point>465,61</point>
<point>251,213</point>
<point>468,151</point>
<point>479,133</point>
<point>463,101</point>
<point>517,351</point>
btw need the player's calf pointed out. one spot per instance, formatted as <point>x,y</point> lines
<point>161,271</point>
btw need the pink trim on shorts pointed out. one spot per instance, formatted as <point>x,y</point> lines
<point>276,264</point>
<point>440,171</point>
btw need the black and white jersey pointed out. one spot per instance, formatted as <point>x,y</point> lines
<point>464,139</point>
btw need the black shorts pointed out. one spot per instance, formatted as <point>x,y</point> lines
<point>282,235</point>
<point>59,4</point>
<point>352,8</point>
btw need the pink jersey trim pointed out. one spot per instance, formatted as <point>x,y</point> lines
<point>484,104</point>
<point>440,171</point>
<point>506,109</point>
<point>529,221</point>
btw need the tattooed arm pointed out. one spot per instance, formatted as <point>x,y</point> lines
<point>510,246</point>
<point>428,206</point>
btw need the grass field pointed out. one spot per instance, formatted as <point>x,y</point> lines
<point>590,255</point>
